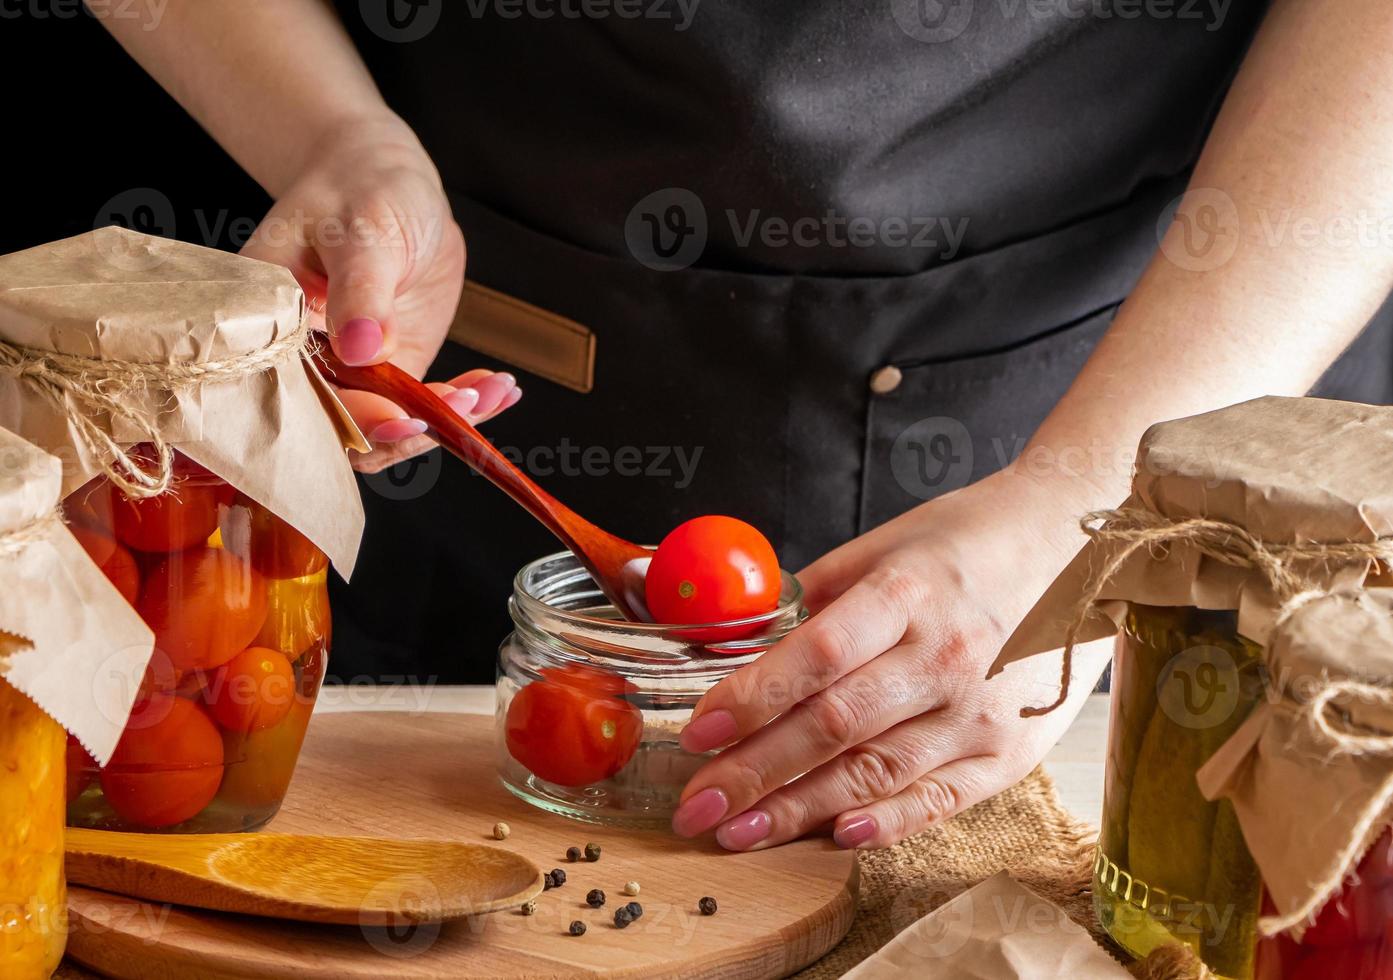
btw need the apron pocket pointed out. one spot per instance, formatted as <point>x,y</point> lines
<point>951,422</point>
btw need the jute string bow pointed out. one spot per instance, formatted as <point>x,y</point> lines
<point>93,392</point>
<point>14,541</point>
<point>1284,567</point>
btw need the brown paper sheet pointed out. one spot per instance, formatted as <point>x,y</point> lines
<point>86,649</point>
<point>998,930</point>
<point>1287,469</point>
<point>119,295</point>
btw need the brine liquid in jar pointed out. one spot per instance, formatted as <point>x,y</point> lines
<point>33,895</point>
<point>238,601</point>
<point>1172,866</point>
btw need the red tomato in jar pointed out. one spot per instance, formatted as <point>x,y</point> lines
<point>1361,912</point>
<point>182,517</point>
<point>82,768</point>
<point>167,766</point>
<point>1369,961</point>
<point>278,550</point>
<point>116,563</point>
<point>710,570</point>
<point>205,606</point>
<point>252,691</point>
<point>572,727</point>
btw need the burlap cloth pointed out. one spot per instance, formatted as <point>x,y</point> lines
<point>1024,830</point>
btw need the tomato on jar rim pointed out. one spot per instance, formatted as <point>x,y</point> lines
<point>168,764</point>
<point>205,606</point>
<point>252,691</point>
<point>572,726</point>
<point>711,570</point>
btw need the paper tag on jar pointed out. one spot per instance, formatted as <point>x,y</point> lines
<point>82,649</point>
<point>219,336</point>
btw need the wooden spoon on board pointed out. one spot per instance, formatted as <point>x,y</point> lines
<point>616,565</point>
<point>358,881</point>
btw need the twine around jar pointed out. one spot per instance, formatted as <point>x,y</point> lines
<point>90,390</point>
<point>1136,528</point>
<point>14,541</point>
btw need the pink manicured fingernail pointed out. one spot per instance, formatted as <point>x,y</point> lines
<point>700,813</point>
<point>854,832</point>
<point>710,730</point>
<point>360,340</point>
<point>745,831</point>
<point>395,430</point>
<point>462,400</point>
<point>507,380</point>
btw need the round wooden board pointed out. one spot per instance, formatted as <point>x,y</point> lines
<point>432,776</point>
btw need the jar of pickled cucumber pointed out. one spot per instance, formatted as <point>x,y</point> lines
<point>1172,865</point>
<point>590,706</point>
<point>33,894</point>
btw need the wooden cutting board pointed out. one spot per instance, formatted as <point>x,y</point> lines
<point>432,776</point>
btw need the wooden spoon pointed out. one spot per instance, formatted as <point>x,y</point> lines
<point>344,880</point>
<point>616,565</point>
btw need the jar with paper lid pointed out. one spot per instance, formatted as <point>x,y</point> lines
<point>206,475</point>
<point>1236,518</point>
<point>71,651</point>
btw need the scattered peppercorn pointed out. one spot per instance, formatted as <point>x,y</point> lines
<point>558,877</point>
<point>707,905</point>
<point>501,831</point>
<point>548,882</point>
<point>635,909</point>
<point>529,907</point>
<point>592,851</point>
<point>622,917</point>
<point>573,854</point>
<point>577,928</point>
<point>631,888</point>
<point>595,898</point>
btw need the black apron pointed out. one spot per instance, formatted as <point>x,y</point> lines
<point>1009,183</point>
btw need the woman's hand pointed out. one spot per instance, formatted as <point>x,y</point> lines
<point>875,716</point>
<point>367,230</point>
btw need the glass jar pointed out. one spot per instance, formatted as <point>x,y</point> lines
<point>1171,865</point>
<point>33,895</point>
<point>1352,936</point>
<point>589,706</point>
<point>238,600</point>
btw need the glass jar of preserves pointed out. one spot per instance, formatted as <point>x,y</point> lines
<point>33,894</point>
<point>1171,865</point>
<point>590,706</point>
<point>238,602</point>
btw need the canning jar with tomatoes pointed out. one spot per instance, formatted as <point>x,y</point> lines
<point>589,706</point>
<point>238,602</point>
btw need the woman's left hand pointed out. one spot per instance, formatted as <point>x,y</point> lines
<point>875,715</point>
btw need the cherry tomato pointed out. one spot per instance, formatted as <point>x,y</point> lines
<point>82,768</point>
<point>297,615</point>
<point>252,691</point>
<point>1361,912</point>
<point>573,727</point>
<point>710,570</point>
<point>168,764</point>
<point>1360,962</point>
<point>205,606</point>
<point>179,518</point>
<point>260,763</point>
<point>116,562</point>
<point>276,549</point>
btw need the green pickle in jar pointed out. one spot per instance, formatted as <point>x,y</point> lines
<point>1172,866</point>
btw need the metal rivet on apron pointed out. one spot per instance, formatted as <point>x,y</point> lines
<point>886,380</point>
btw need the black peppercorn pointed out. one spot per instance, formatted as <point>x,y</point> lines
<point>592,852</point>
<point>595,898</point>
<point>558,877</point>
<point>577,928</point>
<point>707,905</point>
<point>548,882</point>
<point>622,917</point>
<point>635,909</point>
<point>573,854</point>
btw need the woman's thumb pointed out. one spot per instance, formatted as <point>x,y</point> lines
<point>360,315</point>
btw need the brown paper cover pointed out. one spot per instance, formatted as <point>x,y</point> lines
<point>115,294</point>
<point>1286,469</point>
<point>1310,804</point>
<point>83,650</point>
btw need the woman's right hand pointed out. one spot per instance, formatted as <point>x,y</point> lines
<point>367,230</point>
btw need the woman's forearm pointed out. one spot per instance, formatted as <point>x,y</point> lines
<point>269,80</point>
<point>1281,253</point>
